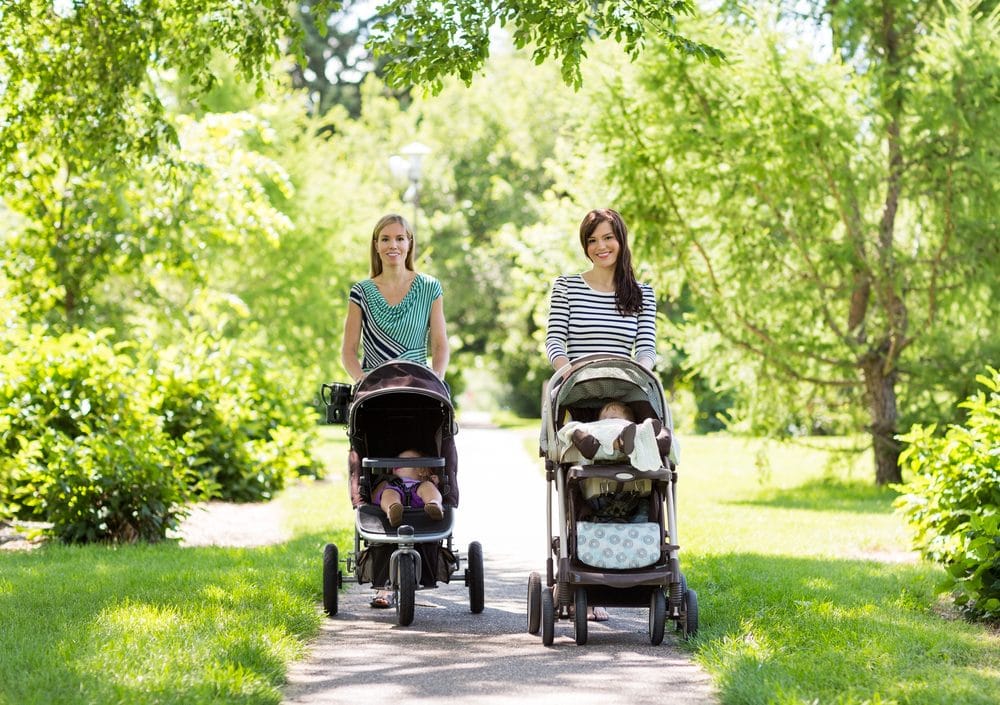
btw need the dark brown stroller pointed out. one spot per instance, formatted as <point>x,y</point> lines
<point>398,406</point>
<point>614,542</point>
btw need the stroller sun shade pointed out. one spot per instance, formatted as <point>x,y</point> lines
<point>592,380</point>
<point>400,406</point>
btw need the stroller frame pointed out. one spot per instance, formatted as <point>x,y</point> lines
<point>584,385</point>
<point>413,397</point>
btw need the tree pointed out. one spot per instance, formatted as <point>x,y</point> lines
<point>81,110</point>
<point>431,39</point>
<point>335,59</point>
<point>835,219</point>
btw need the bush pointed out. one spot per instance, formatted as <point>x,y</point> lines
<point>80,447</point>
<point>235,417</point>
<point>953,502</point>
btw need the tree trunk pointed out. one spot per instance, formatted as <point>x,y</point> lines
<point>880,390</point>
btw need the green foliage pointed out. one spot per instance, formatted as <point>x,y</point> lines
<point>80,79</point>
<point>952,503</point>
<point>81,448</point>
<point>229,412</point>
<point>86,242</point>
<point>761,189</point>
<point>430,39</point>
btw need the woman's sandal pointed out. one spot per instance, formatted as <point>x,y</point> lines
<point>593,615</point>
<point>597,614</point>
<point>383,600</point>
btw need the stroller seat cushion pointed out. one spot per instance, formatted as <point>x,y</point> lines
<point>618,546</point>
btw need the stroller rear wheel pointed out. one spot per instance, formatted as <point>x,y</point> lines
<point>534,603</point>
<point>689,613</point>
<point>580,615</point>
<point>331,579</point>
<point>657,616</point>
<point>406,588</point>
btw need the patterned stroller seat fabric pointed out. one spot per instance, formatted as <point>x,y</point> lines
<point>618,546</point>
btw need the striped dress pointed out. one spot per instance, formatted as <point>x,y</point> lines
<point>583,321</point>
<point>395,332</point>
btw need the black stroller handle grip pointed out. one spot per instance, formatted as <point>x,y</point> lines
<point>404,462</point>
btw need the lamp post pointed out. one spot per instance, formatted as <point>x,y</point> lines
<point>410,165</point>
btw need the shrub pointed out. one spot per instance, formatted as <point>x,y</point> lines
<point>952,503</point>
<point>80,447</point>
<point>235,417</point>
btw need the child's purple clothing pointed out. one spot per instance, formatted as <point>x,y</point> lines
<point>407,488</point>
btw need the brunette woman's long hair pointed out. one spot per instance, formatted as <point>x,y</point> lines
<point>628,295</point>
<point>379,226</point>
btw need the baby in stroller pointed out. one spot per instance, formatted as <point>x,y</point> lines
<point>410,487</point>
<point>616,437</point>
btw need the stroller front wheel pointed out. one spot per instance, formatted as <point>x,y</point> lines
<point>406,589</point>
<point>657,616</point>
<point>580,615</point>
<point>474,578</point>
<point>548,618</point>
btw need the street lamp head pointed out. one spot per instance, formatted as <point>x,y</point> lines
<point>415,153</point>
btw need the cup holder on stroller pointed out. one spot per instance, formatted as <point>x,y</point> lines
<point>337,397</point>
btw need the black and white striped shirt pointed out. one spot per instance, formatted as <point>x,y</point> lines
<point>583,321</point>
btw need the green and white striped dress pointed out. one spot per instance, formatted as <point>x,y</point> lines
<point>395,332</point>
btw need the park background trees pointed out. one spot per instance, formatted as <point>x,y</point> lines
<point>828,201</point>
<point>818,212</point>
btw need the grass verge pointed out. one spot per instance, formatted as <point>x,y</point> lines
<point>164,624</point>
<point>807,593</point>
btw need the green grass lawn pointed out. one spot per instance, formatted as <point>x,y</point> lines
<point>164,624</point>
<point>806,590</point>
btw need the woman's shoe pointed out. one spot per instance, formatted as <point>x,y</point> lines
<point>382,600</point>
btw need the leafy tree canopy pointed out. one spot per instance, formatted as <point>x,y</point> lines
<point>835,224</point>
<point>430,39</point>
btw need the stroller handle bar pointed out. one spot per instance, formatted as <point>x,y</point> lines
<point>410,462</point>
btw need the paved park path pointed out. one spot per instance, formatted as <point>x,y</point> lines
<point>449,654</point>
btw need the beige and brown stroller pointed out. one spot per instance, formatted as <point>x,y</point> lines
<point>612,537</point>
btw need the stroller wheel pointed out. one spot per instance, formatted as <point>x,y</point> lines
<point>580,615</point>
<point>689,613</point>
<point>406,588</point>
<point>657,616</point>
<point>548,618</point>
<point>534,603</point>
<point>331,579</point>
<point>475,578</point>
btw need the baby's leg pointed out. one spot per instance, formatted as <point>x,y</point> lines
<point>429,492</point>
<point>586,443</point>
<point>391,502</point>
<point>625,442</point>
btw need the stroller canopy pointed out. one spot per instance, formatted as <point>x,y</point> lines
<point>589,382</point>
<point>398,406</point>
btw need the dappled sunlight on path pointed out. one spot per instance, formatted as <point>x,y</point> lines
<point>450,654</point>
